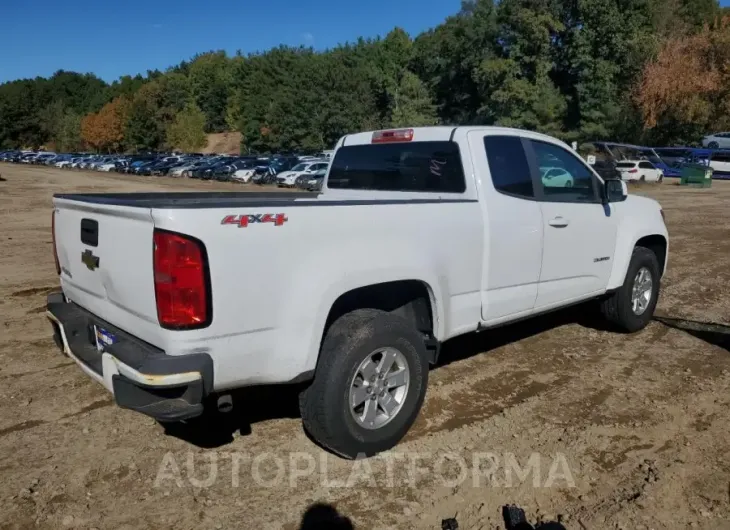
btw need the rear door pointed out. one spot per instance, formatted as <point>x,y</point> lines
<point>513,234</point>
<point>579,231</point>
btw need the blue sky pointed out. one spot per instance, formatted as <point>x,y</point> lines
<point>112,38</point>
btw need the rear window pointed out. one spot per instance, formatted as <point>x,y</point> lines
<point>626,165</point>
<point>433,167</point>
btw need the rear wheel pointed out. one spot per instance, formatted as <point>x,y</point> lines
<point>632,306</point>
<point>369,385</point>
<point>713,145</point>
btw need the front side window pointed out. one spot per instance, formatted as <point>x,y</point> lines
<point>576,181</point>
<point>431,167</point>
<point>508,166</point>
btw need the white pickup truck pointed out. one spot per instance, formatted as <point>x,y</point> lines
<point>170,300</point>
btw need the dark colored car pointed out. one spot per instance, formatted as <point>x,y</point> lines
<point>206,172</point>
<point>164,168</point>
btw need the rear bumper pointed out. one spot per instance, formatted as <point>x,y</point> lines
<point>141,377</point>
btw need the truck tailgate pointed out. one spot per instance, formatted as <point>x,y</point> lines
<point>105,254</point>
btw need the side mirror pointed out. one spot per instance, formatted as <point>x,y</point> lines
<point>615,190</point>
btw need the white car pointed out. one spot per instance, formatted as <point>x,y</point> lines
<point>244,170</point>
<point>719,140</point>
<point>556,177</point>
<point>419,235</point>
<point>244,175</point>
<point>639,170</point>
<point>288,179</point>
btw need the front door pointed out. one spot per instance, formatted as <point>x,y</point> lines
<point>579,232</point>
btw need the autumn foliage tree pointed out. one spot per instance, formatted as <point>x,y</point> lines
<point>687,85</point>
<point>187,131</point>
<point>104,130</point>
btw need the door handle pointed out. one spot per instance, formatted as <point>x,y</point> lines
<point>559,222</point>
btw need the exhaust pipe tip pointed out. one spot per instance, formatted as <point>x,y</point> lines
<point>225,403</point>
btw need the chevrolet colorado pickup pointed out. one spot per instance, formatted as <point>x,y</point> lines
<point>171,300</point>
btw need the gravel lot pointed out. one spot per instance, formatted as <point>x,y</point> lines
<point>556,414</point>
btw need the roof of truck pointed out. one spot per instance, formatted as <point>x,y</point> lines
<point>443,133</point>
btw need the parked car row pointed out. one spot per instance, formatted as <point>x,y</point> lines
<point>304,172</point>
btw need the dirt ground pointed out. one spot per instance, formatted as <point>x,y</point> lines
<point>556,415</point>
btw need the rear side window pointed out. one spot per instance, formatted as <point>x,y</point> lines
<point>408,166</point>
<point>646,165</point>
<point>508,166</point>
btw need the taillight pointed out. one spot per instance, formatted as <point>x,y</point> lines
<point>182,283</point>
<point>634,171</point>
<point>400,135</point>
<point>53,237</point>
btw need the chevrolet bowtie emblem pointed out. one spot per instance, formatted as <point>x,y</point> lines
<point>88,259</point>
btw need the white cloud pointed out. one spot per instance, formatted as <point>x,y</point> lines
<point>308,39</point>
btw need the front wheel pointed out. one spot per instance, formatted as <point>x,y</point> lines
<point>632,306</point>
<point>369,385</point>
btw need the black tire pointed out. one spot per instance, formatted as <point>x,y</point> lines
<point>713,145</point>
<point>325,406</point>
<point>643,178</point>
<point>617,308</point>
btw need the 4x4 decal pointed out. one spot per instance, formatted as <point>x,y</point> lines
<point>242,221</point>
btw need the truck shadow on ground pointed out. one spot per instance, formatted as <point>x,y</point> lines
<point>258,404</point>
<point>709,332</point>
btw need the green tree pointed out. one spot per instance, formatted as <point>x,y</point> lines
<point>516,86</point>
<point>187,131</point>
<point>68,136</point>
<point>412,103</point>
<point>210,79</point>
<point>143,130</point>
<point>448,58</point>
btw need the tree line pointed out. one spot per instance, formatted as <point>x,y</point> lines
<point>644,71</point>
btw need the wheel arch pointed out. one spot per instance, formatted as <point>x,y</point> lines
<point>655,242</point>
<point>658,245</point>
<point>413,299</point>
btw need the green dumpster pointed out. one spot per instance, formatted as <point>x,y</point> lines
<point>696,175</point>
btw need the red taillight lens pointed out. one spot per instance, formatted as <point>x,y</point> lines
<point>634,171</point>
<point>181,281</point>
<point>400,135</point>
<point>53,236</point>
